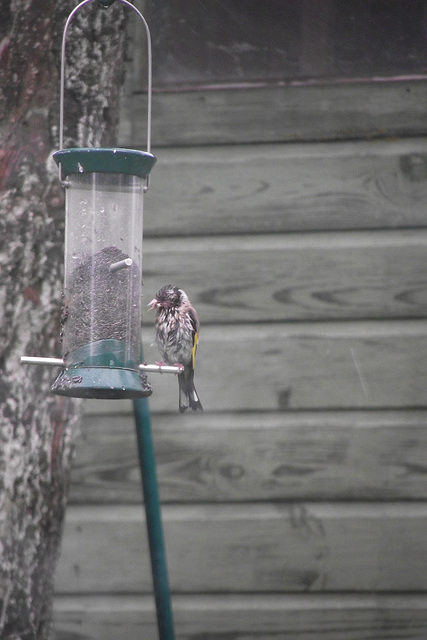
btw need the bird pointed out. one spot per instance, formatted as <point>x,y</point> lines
<point>177,336</point>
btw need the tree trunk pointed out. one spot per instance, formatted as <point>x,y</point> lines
<point>37,429</point>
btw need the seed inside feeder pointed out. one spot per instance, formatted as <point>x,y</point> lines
<point>102,302</point>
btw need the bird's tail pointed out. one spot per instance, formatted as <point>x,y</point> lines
<point>188,396</point>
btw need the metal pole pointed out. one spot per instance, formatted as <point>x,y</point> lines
<point>154,521</point>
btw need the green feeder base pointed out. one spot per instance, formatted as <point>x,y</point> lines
<point>102,383</point>
<point>100,369</point>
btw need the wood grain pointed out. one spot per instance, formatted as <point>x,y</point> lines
<point>249,617</point>
<point>336,365</point>
<point>295,547</point>
<point>276,114</point>
<point>295,505</point>
<point>255,457</point>
<point>262,188</point>
<point>270,278</point>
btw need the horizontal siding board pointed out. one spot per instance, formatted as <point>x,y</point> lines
<point>287,187</point>
<point>304,366</point>
<point>274,114</point>
<point>314,330</point>
<point>255,457</point>
<point>247,548</point>
<point>249,617</point>
<point>273,278</point>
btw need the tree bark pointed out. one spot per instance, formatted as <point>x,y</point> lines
<point>37,429</point>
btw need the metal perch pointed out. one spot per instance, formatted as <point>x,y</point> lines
<point>145,368</point>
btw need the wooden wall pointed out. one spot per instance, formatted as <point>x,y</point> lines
<point>295,505</point>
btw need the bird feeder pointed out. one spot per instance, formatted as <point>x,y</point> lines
<point>101,319</point>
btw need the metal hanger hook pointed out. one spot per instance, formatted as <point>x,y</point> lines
<point>149,68</point>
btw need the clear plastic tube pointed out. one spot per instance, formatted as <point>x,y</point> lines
<point>101,320</point>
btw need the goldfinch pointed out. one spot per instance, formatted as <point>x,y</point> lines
<point>177,335</point>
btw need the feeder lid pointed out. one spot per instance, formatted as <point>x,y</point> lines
<point>99,160</point>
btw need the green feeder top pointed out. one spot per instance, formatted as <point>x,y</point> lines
<point>101,160</point>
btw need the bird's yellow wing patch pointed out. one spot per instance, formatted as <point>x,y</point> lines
<point>194,349</point>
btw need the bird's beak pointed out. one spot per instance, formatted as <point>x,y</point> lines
<point>153,304</point>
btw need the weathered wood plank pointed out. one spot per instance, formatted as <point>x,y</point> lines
<point>255,457</point>
<point>250,548</point>
<point>270,278</point>
<point>336,365</point>
<point>305,366</point>
<point>287,187</point>
<point>249,617</point>
<point>275,114</point>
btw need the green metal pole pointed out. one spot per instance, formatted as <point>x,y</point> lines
<point>154,521</point>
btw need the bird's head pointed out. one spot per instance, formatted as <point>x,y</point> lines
<point>167,297</point>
